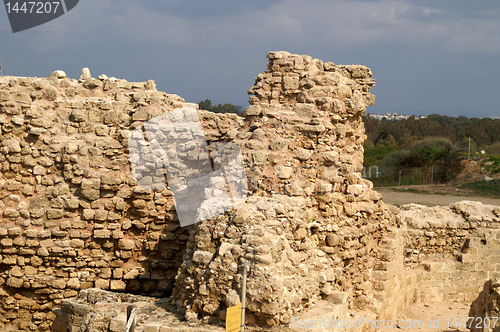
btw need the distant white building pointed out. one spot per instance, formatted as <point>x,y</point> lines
<point>393,116</point>
<point>1,68</point>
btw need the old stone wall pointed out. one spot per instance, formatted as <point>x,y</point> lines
<point>73,217</point>
<point>312,229</point>
<point>485,309</point>
<point>443,253</point>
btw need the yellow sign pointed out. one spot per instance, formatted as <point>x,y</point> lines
<point>233,319</point>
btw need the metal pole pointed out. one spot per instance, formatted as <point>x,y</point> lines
<point>131,312</point>
<point>243,294</point>
<point>432,175</point>
<point>399,177</point>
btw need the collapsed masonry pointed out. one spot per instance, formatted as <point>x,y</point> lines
<point>312,229</point>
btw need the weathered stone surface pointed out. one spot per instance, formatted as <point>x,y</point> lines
<point>58,74</point>
<point>252,110</point>
<point>125,244</point>
<point>50,93</point>
<point>101,310</point>
<point>91,189</point>
<point>85,74</point>
<point>486,305</point>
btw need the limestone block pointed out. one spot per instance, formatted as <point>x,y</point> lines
<point>305,110</point>
<point>132,274</point>
<point>117,285</point>
<point>252,110</point>
<point>101,215</point>
<point>59,74</point>
<point>91,83</point>
<point>117,234</point>
<point>358,71</point>
<point>54,213</point>
<point>283,172</point>
<point>334,240</point>
<point>6,242</point>
<point>202,257</point>
<point>118,323</point>
<point>329,156</point>
<point>50,93</point>
<point>290,83</point>
<point>102,284</point>
<point>12,145</point>
<point>90,189</point>
<point>77,115</point>
<point>10,213</point>
<point>85,74</point>
<point>59,283</point>
<point>43,252</point>
<point>141,115</point>
<point>125,244</point>
<point>102,234</point>
<point>15,282</point>
<point>77,243</point>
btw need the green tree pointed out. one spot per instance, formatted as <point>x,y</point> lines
<point>220,108</point>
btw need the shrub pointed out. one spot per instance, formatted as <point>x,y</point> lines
<point>428,151</point>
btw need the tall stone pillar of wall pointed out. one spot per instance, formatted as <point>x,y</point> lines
<point>312,226</point>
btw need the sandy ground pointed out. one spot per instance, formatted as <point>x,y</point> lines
<point>435,317</point>
<point>399,198</point>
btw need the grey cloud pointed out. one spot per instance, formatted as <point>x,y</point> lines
<point>200,49</point>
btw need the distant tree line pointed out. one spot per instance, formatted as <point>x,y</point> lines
<point>406,132</point>
<point>385,137</point>
<point>220,108</point>
<point>415,145</point>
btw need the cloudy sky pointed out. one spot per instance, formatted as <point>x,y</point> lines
<point>427,56</point>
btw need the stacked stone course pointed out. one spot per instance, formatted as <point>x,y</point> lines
<point>442,253</point>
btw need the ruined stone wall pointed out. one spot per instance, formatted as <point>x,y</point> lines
<point>73,217</point>
<point>443,253</point>
<point>312,229</point>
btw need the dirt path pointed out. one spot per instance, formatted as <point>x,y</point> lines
<point>400,198</point>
